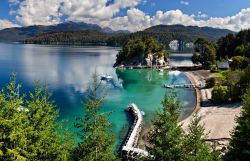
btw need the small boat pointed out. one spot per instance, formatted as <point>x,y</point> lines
<point>106,77</point>
<point>168,86</point>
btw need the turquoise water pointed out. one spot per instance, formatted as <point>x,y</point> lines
<point>67,71</point>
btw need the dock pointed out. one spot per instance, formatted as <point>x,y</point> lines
<point>184,85</point>
<point>129,148</point>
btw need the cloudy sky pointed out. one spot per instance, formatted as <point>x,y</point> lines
<point>130,15</point>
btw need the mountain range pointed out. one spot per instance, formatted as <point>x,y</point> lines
<point>92,34</point>
<point>22,33</point>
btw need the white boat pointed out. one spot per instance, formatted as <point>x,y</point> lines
<point>168,86</point>
<point>106,77</point>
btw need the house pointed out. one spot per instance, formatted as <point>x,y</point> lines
<point>222,65</point>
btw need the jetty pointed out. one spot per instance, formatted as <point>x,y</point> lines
<point>184,85</point>
<point>129,149</point>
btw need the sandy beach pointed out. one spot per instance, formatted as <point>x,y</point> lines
<point>218,120</point>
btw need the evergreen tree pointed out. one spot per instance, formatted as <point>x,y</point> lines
<point>167,137</point>
<point>28,129</point>
<point>196,149</point>
<point>239,148</point>
<point>97,139</point>
<point>205,53</point>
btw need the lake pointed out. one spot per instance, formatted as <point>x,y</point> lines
<point>67,71</point>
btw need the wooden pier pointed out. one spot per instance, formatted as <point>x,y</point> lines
<point>129,148</point>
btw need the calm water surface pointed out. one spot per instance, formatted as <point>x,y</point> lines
<point>68,70</point>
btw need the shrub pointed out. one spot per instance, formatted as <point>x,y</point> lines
<point>213,67</point>
<point>220,94</point>
<point>239,62</point>
<point>210,82</point>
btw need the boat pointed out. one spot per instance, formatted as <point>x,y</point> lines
<point>106,77</point>
<point>168,86</point>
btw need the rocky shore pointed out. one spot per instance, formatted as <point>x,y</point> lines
<point>140,61</point>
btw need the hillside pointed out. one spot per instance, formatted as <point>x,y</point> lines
<point>166,33</point>
<point>83,33</point>
<point>22,33</point>
<point>82,37</point>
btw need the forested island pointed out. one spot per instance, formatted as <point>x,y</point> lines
<point>145,52</point>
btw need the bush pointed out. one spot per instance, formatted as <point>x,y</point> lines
<point>220,94</point>
<point>213,68</point>
<point>210,82</point>
<point>239,62</point>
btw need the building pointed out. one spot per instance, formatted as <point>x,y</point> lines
<point>222,65</point>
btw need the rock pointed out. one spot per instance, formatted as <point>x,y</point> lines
<point>141,61</point>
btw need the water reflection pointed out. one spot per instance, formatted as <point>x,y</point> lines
<point>66,66</point>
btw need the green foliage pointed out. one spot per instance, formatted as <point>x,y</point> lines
<point>222,74</point>
<point>213,68</point>
<point>233,84</point>
<point>196,58</point>
<point>210,82</point>
<point>239,148</point>
<point>28,128</point>
<point>206,53</point>
<point>195,145</point>
<point>97,139</point>
<point>245,79</point>
<point>170,142</point>
<point>84,37</point>
<point>234,45</point>
<point>220,94</point>
<point>167,137</point>
<point>138,47</point>
<point>239,62</point>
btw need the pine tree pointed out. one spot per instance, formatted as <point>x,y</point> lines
<point>97,139</point>
<point>28,129</point>
<point>239,148</point>
<point>196,148</point>
<point>167,136</point>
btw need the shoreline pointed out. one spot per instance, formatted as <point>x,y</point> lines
<point>218,120</point>
<point>197,93</point>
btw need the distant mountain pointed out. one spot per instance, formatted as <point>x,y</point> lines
<point>189,32</point>
<point>83,33</point>
<point>167,33</point>
<point>22,33</point>
<point>80,37</point>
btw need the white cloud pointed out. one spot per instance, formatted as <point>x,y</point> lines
<point>14,1</point>
<point>237,22</point>
<point>47,12</point>
<point>185,3</point>
<point>42,12</point>
<point>6,24</point>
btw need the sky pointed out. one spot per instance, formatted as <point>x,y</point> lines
<point>132,15</point>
